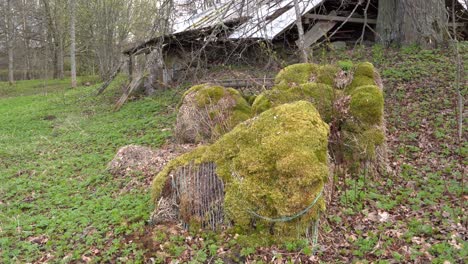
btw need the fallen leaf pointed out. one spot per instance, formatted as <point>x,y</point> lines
<point>383,217</point>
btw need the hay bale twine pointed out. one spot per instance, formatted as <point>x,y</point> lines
<point>206,112</point>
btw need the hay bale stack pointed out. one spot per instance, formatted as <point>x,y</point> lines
<point>265,177</point>
<point>304,81</point>
<point>207,112</point>
<point>273,168</point>
<point>349,98</point>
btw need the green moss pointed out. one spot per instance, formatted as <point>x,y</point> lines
<point>363,133</point>
<point>365,69</point>
<point>250,98</point>
<point>367,104</point>
<point>321,95</point>
<point>296,74</point>
<point>261,103</point>
<point>363,76</point>
<point>209,95</point>
<point>274,165</point>
<point>192,89</point>
<point>327,74</point>
<point>240,112</point>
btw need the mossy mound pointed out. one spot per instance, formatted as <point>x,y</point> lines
<point>367,104</point>
<point>319,94</point>
<point>207,112</point>
<point>327,74</point>
<point>364,74</point>
<point>364,132</point>
<point>273,166</point>
<point>297,74</point>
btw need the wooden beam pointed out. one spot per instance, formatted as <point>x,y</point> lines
<point>130,68</point>
<point>319,30</point>
<point>341,18</point>
<point>112,77</point>
<point>241,83</point>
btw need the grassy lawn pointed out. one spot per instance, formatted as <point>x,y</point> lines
<point>56,199</point>
<point>59,204</point>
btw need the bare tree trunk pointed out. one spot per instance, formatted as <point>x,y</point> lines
<point>300,29</point>
<point>387,28</point>
<point>424,22</point>
<point>26,41</point>
<point>55,38</point>
<point>72,44</point>
<point>61,74</point>
<point>406,22</point>
<point>9,35</point>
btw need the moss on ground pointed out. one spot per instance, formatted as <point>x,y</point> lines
<point>274,165</point>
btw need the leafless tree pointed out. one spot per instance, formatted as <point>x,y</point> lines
<point>10,35</point>
<point>72,42</point>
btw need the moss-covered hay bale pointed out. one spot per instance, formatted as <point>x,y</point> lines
<point>363,132</point>
<point>319,94</point>
<point>348,96</point>
<point>208,111</point>
<point>301,73</point>
<point>273,168</point>
<point>364,74</point>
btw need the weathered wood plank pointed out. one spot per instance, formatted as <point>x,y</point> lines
<point>341,18</point>
<point>240,83</point>
<point>316,32</point>
<point>112,77</point>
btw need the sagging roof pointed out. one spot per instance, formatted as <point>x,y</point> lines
<point>258,20</point>
<point>464,3</point>
<point>262,19</point>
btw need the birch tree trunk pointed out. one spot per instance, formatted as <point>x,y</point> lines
<point>73,43</point>
<point>26,41</point>
<point>60,56</point>
<point>10,36</point>
<point>300,30</point>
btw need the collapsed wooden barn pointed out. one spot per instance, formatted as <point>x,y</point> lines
<point>251,32</point>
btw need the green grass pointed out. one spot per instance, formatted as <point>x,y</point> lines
<point>57,201</point>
